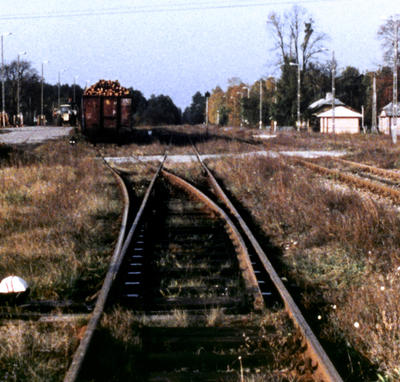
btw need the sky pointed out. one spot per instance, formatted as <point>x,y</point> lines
<point>178,47</point>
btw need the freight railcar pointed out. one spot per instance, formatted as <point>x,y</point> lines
<point>106,111</point>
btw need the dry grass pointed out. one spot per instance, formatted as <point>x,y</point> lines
<point>339,247</point>
<point>58,213</point>
<point>59,217</point>
<point>32,351</point>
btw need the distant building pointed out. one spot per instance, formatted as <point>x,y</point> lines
<point>320,106</point>
<point>347,121</point>
<point>324,104</point>
<point>386,118</point>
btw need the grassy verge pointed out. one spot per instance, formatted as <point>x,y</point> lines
<point>59,218</point>
<point>339,248</point>
<point>32,351</point>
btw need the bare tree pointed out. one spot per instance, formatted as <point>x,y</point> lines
<point>295,36</point>
<point>387,34</point>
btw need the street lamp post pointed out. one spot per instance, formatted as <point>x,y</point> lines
<point>333,90</point>
<point>2,79</point>
<point>373,127</point>
<point>394,103</point>
<point>18,83</point>
<point>298,92</point>
<point>41,96</point>
<point>207,96</point>
<point>74,97</point>
<point>260,123</point>
<point>59,87</point>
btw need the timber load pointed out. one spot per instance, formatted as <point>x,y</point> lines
<point>106,88</point>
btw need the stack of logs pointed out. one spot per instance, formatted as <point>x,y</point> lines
<point>107,89</point>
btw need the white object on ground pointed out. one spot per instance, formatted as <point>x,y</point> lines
<point>13,284</point>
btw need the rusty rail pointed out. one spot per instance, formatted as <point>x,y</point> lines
<point>116,260</point>
<point>243,256</point>
<point>393,175</point>
<point>353,180</point>
<point>325,370</point>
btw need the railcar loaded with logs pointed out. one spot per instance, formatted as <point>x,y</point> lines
<point>106,110</point>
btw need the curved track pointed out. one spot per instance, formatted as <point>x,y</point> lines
<point>185,253</point>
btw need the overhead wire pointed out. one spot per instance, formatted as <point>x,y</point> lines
<point>177,7</point>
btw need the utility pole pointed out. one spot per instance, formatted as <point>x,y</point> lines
<point>74,90</point>
<point>373,127</point>
<point>333,90</point>
<point>362,118</point>
<point>59,87</point>
<point>41,121</point>
<point>18,82</point>
<point>260,123</point>
<point>3,98</point>
<point>207,111</point>
<point>58,98</point>
<point>2,85</point>
<point>207,95</point>
<point>394,104</point>
<point>298,92</point>
<point>298,96</point>
<point>41,99</point>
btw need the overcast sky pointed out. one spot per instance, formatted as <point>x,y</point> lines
<point>177,47</point>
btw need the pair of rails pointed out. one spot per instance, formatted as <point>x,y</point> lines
<point>323,369</point>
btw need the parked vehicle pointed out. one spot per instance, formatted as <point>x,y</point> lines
<point>65,115</point>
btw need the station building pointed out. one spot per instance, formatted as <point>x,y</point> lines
<point>386,119</point>
<point>347,121</point>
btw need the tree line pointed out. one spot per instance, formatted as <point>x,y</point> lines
<point>22,74</point>
<point>298,43</point>
<point>153,111</point>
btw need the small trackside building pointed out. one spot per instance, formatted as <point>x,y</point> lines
<point>386,119</point>
<point>347,121</point>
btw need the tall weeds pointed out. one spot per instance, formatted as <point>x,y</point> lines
<point>59,214</point>
<point>341,248</point>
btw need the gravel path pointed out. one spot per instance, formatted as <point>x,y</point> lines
<point>32,134</point>
<point>192,158</point>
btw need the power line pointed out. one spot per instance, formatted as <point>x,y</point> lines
<point>158,9</point>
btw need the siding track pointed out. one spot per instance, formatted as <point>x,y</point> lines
<point>379,181</point>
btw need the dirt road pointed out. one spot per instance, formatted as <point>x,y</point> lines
<point>32,134</point>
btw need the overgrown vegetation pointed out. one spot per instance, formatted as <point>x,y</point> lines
<point>56,209</point>
<point>59,217</point>
<point>32,351</point>
<point>339,247</point>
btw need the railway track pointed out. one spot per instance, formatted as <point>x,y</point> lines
<point>382,182</point>
<point>187,258</point>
